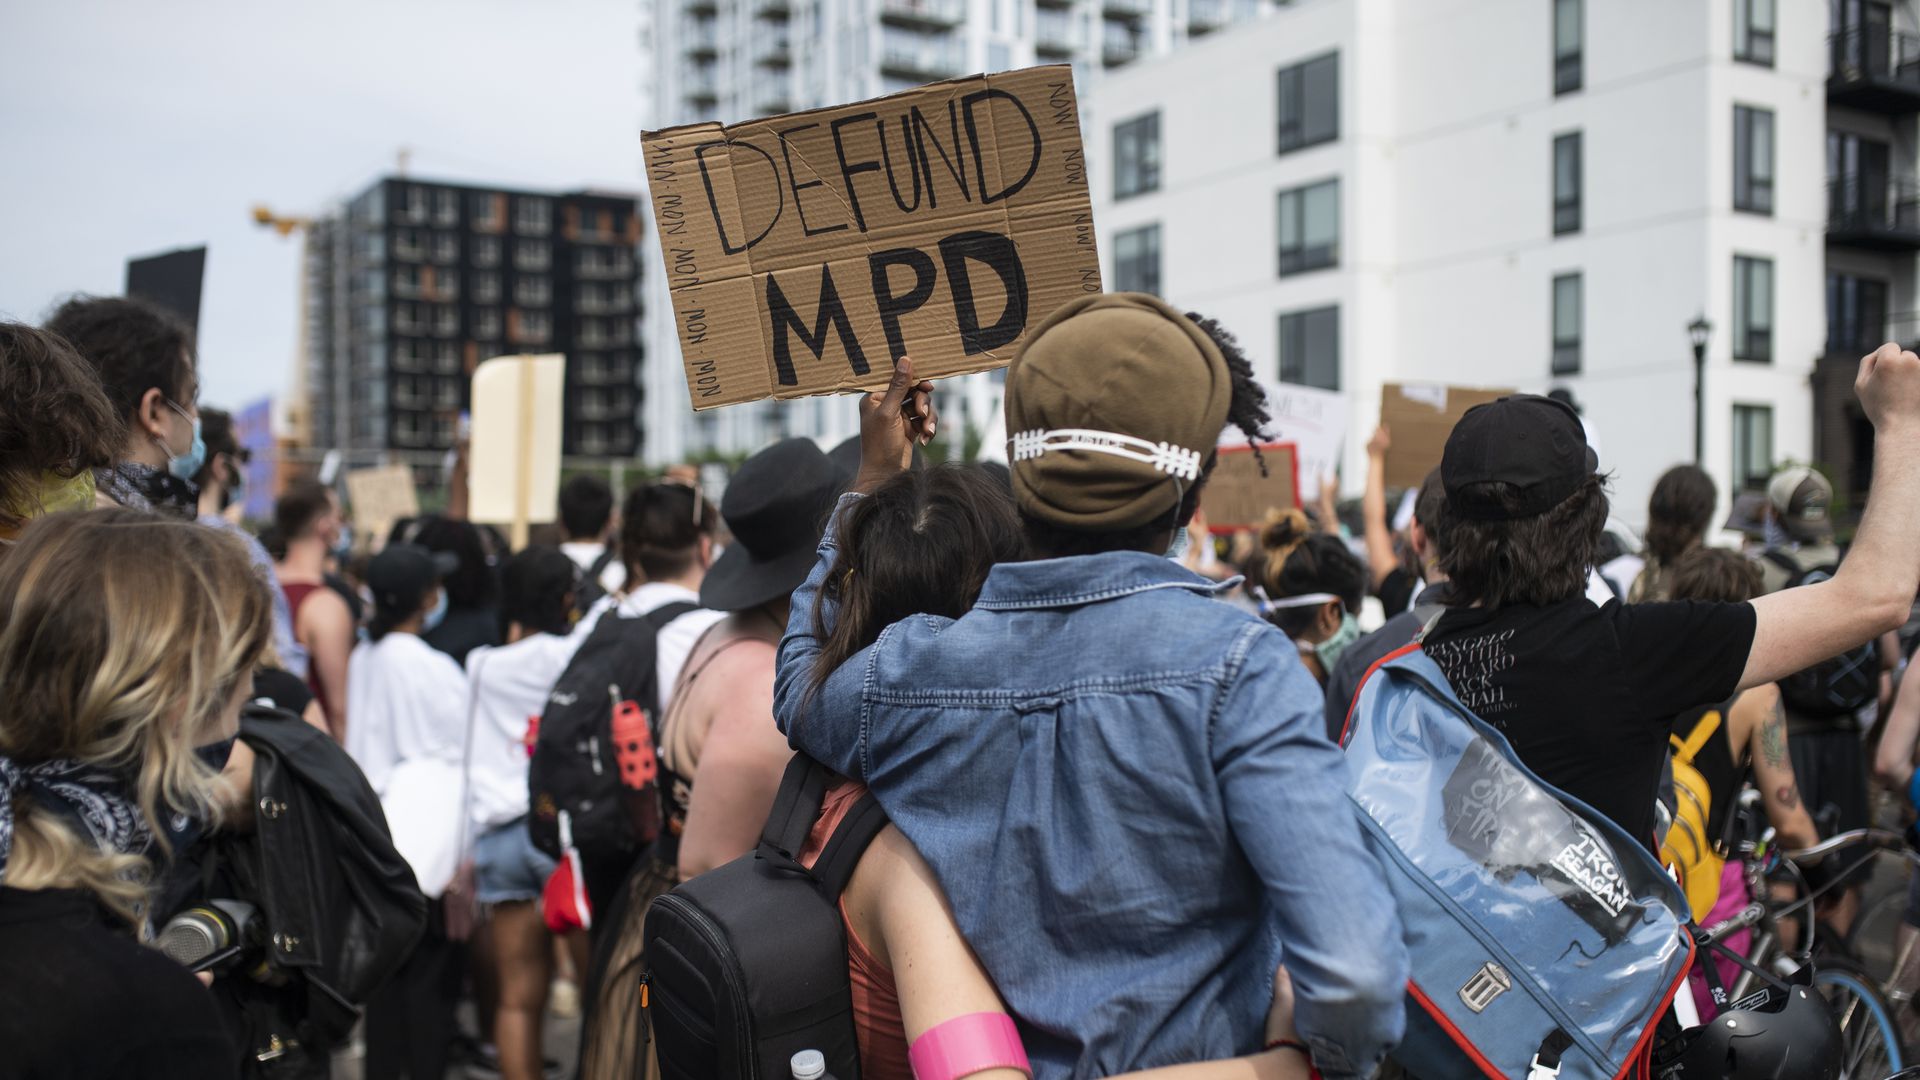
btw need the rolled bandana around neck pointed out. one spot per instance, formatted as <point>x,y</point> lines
<point>97,797</point>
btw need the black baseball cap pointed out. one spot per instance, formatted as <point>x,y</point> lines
<point>1530,446</point>
<point>402,574</point>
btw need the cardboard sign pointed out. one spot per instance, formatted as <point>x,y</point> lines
<point>804,253</point>
<point>514,461</point>
<point>1314,421</point>
<point>379,497</point>
<point>1238,497</point>
<point>1420,416</point>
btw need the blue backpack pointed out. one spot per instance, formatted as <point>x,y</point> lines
<point>1544,941</point>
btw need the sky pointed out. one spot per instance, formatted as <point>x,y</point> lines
<point>132,127</point>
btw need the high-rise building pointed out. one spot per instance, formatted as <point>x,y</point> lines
<point>1538,194</point>
<point>731,60</point>
<point>412,283</point>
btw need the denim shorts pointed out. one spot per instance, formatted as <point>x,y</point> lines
<point>507,868</point>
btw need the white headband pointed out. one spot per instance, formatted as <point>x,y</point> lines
<point>1176,461</point>
<point>1312,599</point>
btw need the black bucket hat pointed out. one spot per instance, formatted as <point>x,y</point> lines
<point>776,506</point>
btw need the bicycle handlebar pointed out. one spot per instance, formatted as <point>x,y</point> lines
<point>1881,839</point>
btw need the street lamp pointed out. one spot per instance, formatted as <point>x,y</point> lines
<point>1698,331</point>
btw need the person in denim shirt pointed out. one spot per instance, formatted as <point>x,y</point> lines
<point>1124,786</point>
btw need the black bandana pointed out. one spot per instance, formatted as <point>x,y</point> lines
<point>97,797</point>
<point>143,487</point>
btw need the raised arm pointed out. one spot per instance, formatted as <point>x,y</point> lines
<point>1331,900</point>
<point>825,722</point>
<point>1874,588</point>
<point>1373,507</point>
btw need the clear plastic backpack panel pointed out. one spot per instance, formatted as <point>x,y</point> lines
<point>1510,854</point>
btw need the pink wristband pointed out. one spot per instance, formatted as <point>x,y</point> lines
<point>966,1045</point>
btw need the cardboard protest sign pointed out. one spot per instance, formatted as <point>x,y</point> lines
<point>514,462</point>
<point>1238,497</point>
<point>1419,417</point>
<point>805,252</point>
<point>379,497</point>
<point>1313,420</point>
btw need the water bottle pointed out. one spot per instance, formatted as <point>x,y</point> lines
<point>810,1065</point>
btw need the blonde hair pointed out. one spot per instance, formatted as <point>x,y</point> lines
<point>123,638</point>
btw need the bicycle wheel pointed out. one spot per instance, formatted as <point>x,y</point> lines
<point>1869,1040</point>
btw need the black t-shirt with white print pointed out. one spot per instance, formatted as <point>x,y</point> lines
<point>1587,694</point>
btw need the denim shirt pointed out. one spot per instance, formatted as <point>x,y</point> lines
<point>1127,793</point>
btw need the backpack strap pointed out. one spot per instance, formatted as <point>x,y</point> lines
<point>842,853</point>
<point>1782,560</point>
<point>599,565</point>
<point>1702,731</point>
<point>795,806</point>
<point>659,617</point>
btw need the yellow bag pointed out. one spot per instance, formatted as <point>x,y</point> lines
<point>1695,857</point>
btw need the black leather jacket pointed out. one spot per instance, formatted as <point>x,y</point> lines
<point>340,907</point>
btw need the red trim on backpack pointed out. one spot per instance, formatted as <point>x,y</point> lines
<point>1347,728</point>
<point>1642,1054</point>
<point>1459,1039</point>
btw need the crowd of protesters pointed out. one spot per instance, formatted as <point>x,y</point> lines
<point>1106,739</point>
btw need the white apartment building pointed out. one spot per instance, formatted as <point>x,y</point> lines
<point>732,60</point>
<point>1538,194</point>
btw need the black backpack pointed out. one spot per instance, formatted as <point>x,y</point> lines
<point>1840,685</point>
<point>590,592</point>
<point>747,964</point>
<point>574,769</point>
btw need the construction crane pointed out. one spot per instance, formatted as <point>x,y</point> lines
<point>301,412</point>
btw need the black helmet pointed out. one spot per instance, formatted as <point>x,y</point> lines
<point>1783,1033</point>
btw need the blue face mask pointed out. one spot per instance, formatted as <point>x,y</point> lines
<point>437,615</point>
<point>186,466</point>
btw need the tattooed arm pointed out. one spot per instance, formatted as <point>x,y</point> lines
<point>1761,717</point>
<point>1893,759</point>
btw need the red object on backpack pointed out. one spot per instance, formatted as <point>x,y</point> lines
<point>633,746</point>
<point>563,903</point>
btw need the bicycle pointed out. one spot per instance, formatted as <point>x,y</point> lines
<point>1872,1047</point>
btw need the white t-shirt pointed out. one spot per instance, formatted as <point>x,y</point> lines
<point>677,638</point>
<point>510,687</point>
<point>407,730</point>
<point>585,554</point>
<point>406,700</point>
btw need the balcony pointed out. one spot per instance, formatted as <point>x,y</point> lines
<point>1873,213</point>
<point>771,97</point>
<point>700,40</point>
<point>1119,44</point>
<point>1874,68</point>
<point>700,84</point>
<point>1053,33</point>
<point>932,14</point>
<point>918,58</point>
<point>772,44</point>
<point>1127,9</point>
<point>775,8</point>
<point>1206,16</point>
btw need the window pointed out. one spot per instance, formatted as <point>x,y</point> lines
<point>1752,159</point>
<point>531,255</point>
<point>1310,103</point>
<point>486,251</point>
<point>1752,446</point>
<point>1568,38</point>
<point>532,217</point>
<point>486,288</point>
<point>1310,348</point>
<point>1568,319</point>
<point>532,291</point>
<point>1136,156</point>
<point>487,211</point>
<point>1753,31</point>
<point>1856,314</point>
<point>1136,260</point>
<point>413,206</point>
<point>446,208</point>
<point>1566,183</point>
<point>486,324</point>
<point>446,248</point>
<point>1752,309</point>
<point>1309,227</point>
